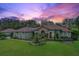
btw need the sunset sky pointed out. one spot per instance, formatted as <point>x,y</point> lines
<point>57,11</point>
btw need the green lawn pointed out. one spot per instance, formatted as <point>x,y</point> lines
<point>22,48</point>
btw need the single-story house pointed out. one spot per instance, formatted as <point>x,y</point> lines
<point>53,32</point>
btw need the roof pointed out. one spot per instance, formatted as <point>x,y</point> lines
<point>55,27</point>
<point>8,30</point>
<point>26,29</point>
<point>29,29</point>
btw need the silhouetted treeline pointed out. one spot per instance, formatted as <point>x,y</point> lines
<point>72,23</point>
<point>14,22</point>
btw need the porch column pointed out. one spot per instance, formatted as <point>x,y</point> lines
<point>48,35</point>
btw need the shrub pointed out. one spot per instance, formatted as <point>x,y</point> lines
<point>2,36</point>
<point>75,34</point>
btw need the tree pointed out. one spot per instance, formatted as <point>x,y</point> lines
<point>15,23</point>
<point>31,23</point>
<point>77,22</point>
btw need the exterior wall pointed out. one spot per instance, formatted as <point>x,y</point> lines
<point>28,35</point>
<point>52,34</point>
<point>69,34</point>
<point>57,35</point>
<point>65,36</point>
<point>41,32</point>
<point>61,35</point>
<point>22,35</point>
<point>46,32</point>
<point>6,33</point>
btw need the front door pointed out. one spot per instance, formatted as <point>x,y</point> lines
<point>43,34</point>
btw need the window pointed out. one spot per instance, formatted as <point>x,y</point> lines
<point>50,34</point>
<point>33,33</point>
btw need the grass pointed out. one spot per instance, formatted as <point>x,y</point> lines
<point>22,48</point>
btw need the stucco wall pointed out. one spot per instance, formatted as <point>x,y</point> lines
<point>52,34</point>
<point>22,35</point>
<point>65,34</point>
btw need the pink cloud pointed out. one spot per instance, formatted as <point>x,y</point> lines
<point>65,10</point>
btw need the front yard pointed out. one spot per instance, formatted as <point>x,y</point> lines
<point>52,48</point>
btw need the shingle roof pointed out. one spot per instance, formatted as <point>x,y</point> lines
<point>26,29</point>
<point>55,27</point>
<point>8,30</point>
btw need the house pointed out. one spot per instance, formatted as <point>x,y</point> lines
<point>24,33</point>
<point>52,32</point>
